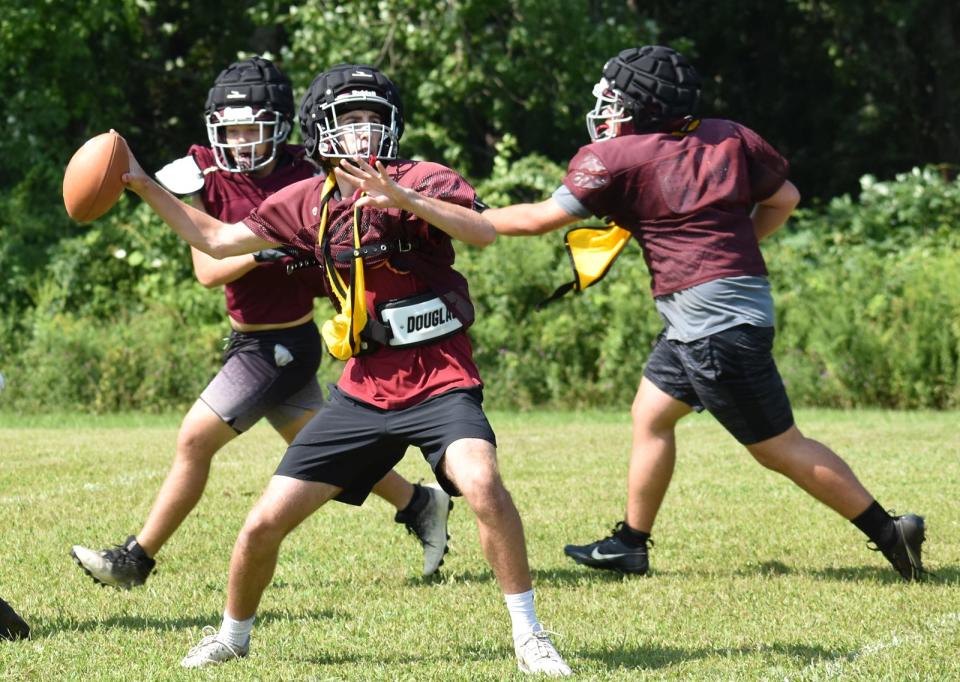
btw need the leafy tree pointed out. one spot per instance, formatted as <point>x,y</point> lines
<point>471,71</point>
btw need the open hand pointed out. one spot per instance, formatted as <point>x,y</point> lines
<point>379,188</point>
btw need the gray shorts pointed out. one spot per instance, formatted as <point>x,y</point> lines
<point>270,374</point>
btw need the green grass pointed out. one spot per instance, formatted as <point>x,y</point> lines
<point>751,578</point>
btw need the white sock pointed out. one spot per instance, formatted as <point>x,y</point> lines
<point>522,615</point>
<point>236,632</point>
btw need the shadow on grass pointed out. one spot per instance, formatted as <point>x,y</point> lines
<point>549,576</point>
<point>40,628</point>
<point>653,657</point>
<point>637,658</point>
<point>881,574</point>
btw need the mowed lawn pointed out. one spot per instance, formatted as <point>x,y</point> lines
<point>751,578</point>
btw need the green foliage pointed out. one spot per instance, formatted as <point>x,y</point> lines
<point>118,322</point>
<point>472,71</point>
<point>868,297</point>
<point>153,360</point>
<point>497,90</point>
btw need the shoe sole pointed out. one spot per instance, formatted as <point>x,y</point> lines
<point>97,580</point>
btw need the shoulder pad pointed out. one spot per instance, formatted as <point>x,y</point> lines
<point>182,176</point>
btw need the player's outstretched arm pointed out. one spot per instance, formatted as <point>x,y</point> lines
<point>459,222</point>
<point>771,213</point>
<point>528,220</point>
<point>198,229</point>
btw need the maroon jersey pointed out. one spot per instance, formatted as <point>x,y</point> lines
<point>686,199</point>
<point>266,294</point>
<point>389,378</point>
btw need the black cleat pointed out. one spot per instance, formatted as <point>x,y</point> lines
<point>904,553</point>
<point>124,566</point>
<point>612,554</point>
<point>12,626</point>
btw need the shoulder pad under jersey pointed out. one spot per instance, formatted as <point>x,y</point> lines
<point>182,176</point>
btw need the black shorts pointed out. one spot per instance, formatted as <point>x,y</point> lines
<point>731,374</point>
<point>352,445</point>
<point>270,374</point>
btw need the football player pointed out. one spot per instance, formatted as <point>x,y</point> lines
<point>382,229</point>
<point>271,359</point>
<point>698,195</point>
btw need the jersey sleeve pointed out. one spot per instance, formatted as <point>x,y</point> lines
<point>768,170</point>
<point>569,203</point>
<point>588,180</point>
<point>437,182</point>
<point>286,217</point>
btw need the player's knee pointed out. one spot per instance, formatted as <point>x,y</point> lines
<point>262,529</point>
<point>194,446</point>
<point>486,494</point>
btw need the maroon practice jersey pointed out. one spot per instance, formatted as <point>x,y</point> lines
<point>687,199</point>
<point>266,294</point>
<point>388,378</point>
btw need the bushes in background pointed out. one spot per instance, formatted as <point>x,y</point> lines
<point>867,292</point>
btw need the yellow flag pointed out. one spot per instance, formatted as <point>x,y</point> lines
<point>593,251</point>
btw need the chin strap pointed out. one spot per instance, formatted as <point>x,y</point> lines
<point>593,251</point>
<point>341,333</point>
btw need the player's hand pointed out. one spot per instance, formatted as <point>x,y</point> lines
<point>135,178</point>
<point>380,189</point>
<point>275,254</point>
<point>269,255</point>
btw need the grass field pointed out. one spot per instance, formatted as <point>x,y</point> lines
<point>751,579</point>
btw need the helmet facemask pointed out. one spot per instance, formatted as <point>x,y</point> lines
<point>242,157</point>
<point>338,137</point>
<point>609,114</point>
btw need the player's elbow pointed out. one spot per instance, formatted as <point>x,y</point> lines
<point>486,237</point>
<point>208,282</point>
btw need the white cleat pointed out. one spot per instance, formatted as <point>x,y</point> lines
<point>430,527</point>
<point>536,655</point>
<point>212,651</point>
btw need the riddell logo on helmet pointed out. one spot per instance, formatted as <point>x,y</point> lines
<point>234,94</point>
<point>362,93</point>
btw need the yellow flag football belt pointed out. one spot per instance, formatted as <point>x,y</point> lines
<point>341,333</point>
<point>593,251</point>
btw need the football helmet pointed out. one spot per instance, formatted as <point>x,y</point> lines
<point>342,89</point>
<point>250,92</point>
<point>649,88</point>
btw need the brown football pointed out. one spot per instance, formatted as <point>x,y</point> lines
<point>91,183</point>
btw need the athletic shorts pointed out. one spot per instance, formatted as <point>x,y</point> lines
<point>270,374</point>
<point>352,445</point>
<point>731,374</point>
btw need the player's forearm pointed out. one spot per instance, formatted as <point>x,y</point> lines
<point>768,219</point>
<point>770,214</point>
<point>529,220</point>
<point>212,272</point>
<point>462,224</point>
<point>198,229</point>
